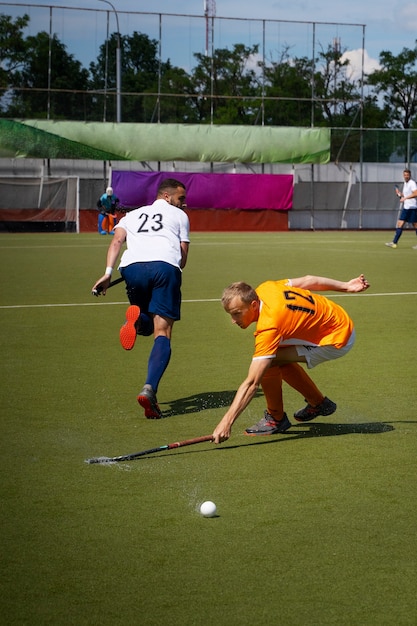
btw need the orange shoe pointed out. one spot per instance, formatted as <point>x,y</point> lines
<point>128,331</point>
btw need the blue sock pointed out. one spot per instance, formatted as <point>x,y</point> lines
<point>158,361</point>
<point>398,234</point>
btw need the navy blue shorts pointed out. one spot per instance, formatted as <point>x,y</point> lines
<point>408,215</point>
<point>155,286</point>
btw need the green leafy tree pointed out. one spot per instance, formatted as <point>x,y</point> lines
<point>338,95</point>
<point>176,102</point>
<point>288,91</point>
<point>139,66</point>
<point>143,76</point>
<point>301,92</point>
<point>63,94</point>
<point>226,86</point>
<point>396,81</point>
<point>140,72</point>
<point>12,46</point>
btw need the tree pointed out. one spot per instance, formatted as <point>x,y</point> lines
<point>12,46</point>
<point>36,94</point>
<point>338,95</point>
<point>397,82</point>
<point>302,91</point>
<point>139,66</point>
<point>176,103</point>
<point>143,76</point>
<point>12,53</point>
<point>288,90</point>
<point>229,78</point>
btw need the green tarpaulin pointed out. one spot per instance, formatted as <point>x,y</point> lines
<point>163,142</point>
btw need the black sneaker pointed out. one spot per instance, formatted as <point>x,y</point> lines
<point>147,400</point>
<point>269,426</point>
<point>327,407</point>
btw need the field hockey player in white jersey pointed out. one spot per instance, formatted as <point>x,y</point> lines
<point>157,242</point>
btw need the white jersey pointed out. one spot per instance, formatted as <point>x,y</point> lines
<point>408,189</point>
<point>154,233</point>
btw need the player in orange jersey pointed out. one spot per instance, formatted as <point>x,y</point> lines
<point>292,326</point>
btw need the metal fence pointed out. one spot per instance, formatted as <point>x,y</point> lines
<point>179,37</point>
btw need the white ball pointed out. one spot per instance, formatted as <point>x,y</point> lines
<point>208,509</point>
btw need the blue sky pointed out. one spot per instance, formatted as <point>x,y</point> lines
<point>388,25</point>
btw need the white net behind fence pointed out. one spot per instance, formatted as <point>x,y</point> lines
<point>42,203</point>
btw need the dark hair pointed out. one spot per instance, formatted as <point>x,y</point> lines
<point>169,184</point>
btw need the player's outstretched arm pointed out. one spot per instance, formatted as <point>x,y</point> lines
<point>243,396</point>
<point>321,283</point>
<point>112,255</point>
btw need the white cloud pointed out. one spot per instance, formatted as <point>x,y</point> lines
<point>354,70</point>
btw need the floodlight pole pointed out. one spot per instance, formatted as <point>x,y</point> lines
<point>118,67</point>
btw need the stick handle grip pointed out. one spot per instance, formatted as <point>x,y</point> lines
<point>189,442</point>
<point>97,291</point>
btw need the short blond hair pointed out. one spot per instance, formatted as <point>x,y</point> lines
<point>239,289</point>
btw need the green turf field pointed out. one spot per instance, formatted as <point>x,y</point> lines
<point>314,527</point>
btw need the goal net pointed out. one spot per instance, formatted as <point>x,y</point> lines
<point>39,204</point>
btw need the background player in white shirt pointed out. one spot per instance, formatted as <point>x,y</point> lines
<point>409,209</point>
<point>157,240</point>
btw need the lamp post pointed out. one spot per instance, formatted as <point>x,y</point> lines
<point>118,67</point>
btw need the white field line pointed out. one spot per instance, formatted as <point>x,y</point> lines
<point>339,295</point>
<point>240,238</point>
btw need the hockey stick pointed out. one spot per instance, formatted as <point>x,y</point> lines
<point>97,291</point>
<point>136,455</point>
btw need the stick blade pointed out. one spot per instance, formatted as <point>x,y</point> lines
<point>101,460</point>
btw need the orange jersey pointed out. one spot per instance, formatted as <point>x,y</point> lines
<point>291,316</point>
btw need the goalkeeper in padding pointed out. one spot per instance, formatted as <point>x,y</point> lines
<point>107,205</point>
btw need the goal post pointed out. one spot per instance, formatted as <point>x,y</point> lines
<point>42,204</point>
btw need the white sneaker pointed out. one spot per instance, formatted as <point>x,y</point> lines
<point>414,247</point>
<point>391,244</point>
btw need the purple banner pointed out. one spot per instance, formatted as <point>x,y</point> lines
<point>209,191</point>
